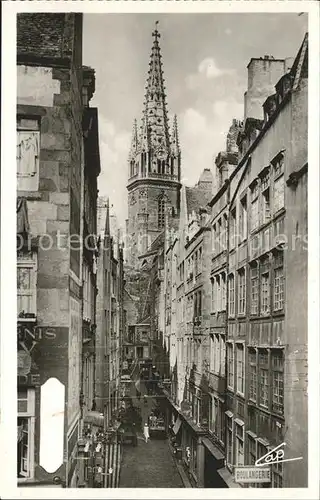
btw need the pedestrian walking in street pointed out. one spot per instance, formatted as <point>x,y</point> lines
<point>146,432</point>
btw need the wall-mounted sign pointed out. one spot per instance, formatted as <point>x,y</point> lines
<point>29,335</point>
<point>252,475</point>
<point>52,405</point>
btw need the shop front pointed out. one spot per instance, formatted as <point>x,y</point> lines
<point>213,462</point>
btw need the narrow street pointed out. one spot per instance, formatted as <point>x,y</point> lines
<point>148,465</point>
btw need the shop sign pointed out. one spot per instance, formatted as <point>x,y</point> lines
<point>29,335</point>
<point>252,475</point>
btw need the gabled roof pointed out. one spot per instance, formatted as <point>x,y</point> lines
<point>300,66</point>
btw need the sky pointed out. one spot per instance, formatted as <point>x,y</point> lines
<point>205,58</point>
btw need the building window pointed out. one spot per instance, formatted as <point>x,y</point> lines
<point>239,444</point>
<point>278,283</point>
<point>220,235</point>
<point>265,293</point>
<point>266,205</point>
<point>278,165</point>
<point>229,440</point>
<point>254,206</point>
<point>264,378</point>
<point>252,451</point>
<point>199,312</point>
<point>240,368</point>
<point>213,295</point>
<point>252,374</point>
<point>241,291</point>
<point>200,260</point>
<point>262,449</point>
<point>254,282</point>
<point>230,358</point>
<point>277,383</point>
<point>218,292</point>
<point>231,295</point>
<point>25,430</point>
<point>28,152</point>
<point>26,283</point>
<point>278,197</point>
<point>233,228</point>
<point>161,212</point>
<point>214,239</point>
<point>222,355</point>
<point>223,292</point>
<point>243,218</point>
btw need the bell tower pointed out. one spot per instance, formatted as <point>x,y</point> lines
<point>154,165</point>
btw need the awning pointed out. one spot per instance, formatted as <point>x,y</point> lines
<point>177,426</point>
<point>217,454</point>
<point>228,478</point>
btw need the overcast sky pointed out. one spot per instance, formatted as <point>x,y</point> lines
<point>204,61</point>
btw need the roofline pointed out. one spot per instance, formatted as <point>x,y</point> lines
<point>264,59</point>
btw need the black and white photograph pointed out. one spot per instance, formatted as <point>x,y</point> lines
<point>164,203</point>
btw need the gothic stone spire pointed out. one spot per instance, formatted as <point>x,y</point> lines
<point>155,110</point>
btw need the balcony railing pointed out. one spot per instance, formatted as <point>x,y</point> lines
<point>163,176</point>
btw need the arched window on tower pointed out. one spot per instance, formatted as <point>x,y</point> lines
<point>172,166</point>
<point>159,166</point>
<point>161,212</point>
<point>163,167</point>
<point>143,163</point>
<point>131,168</point>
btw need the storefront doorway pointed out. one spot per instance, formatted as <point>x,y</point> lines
<point>211,477</point>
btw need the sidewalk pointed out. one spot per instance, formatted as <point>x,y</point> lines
<point>180,468</point>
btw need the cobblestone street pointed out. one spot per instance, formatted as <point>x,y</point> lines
<point>148,465</point>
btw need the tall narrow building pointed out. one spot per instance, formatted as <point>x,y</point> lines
<point>154,165</point>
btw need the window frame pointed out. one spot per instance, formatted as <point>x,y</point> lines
<point>277,400</point>
<point>253,381</point>
<point>229,444</point>
<point>231,295</point>
<point>29,417</point>
<point>240,368</point>
<point>242,289</point>
<point>31,263</point>
<point>230,363</point>
<point>239,438</point>
<point>278,202</point>
<point>254,290</point>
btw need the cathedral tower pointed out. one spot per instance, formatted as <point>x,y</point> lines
<point>154,165</point>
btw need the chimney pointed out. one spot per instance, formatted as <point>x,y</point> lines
<point>263,74</point>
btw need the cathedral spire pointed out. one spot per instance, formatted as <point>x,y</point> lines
<point>155,109</point>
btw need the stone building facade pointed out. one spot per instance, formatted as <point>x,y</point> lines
<point>239,378</point>
<point>110,306</point>
<point>267,278</point>
<point>56,168</point>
